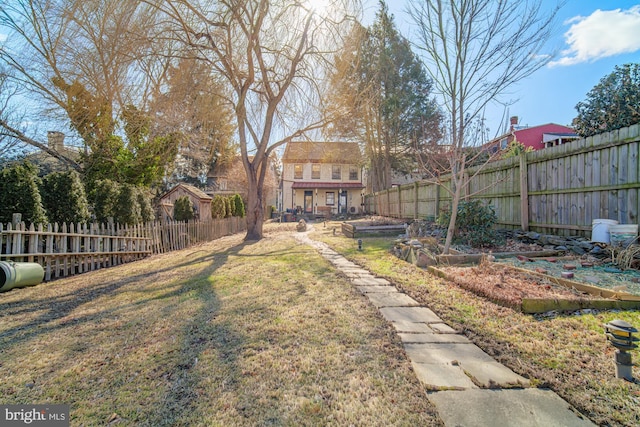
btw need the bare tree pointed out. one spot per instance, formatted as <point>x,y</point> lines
<point>475,50</point>
<point>272,56</point>
<point>8,145</point>
<point>53,45</point>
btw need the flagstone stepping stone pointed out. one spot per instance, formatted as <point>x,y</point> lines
<point>410,314</point>
<point>392,300</point>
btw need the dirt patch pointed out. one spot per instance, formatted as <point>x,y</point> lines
<point>509,287</point>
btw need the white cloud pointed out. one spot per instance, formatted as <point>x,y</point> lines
<point>3,37</point>
<point>603,33</point>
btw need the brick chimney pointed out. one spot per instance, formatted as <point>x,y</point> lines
<point>55,140</point>
<point>514,122</point>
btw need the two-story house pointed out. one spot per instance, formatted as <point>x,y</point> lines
<point>322,177</point>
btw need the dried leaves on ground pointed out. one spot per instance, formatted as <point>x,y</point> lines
<point>504,285</point>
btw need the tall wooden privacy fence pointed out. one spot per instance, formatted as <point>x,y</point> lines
<point>558,190</point>
<point>72,249</point>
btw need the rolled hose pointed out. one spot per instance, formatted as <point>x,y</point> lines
<point>19,274</point>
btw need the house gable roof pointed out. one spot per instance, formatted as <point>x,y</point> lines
<point>322,152</point>
<point>553,128</point>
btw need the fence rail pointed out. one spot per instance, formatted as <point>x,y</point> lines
<point>65,250</point>
<point>558,190</point>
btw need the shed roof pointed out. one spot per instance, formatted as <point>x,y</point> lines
<point>190,189</point>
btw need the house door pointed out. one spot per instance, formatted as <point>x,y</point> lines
<point>343,202</point>
<point>308,202</point>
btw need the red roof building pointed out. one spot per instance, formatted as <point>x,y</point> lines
<point>536,137</point>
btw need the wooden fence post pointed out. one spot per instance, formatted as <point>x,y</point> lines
<point>437,202</point>
<point>415,200</point>
<point>524,193</point>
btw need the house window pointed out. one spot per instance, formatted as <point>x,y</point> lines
<point>504,143</point>
<point>331,199</point>
<point>315,171</point>
<point>353,173</point>
<point>297,171</point>
<point>336,172</point>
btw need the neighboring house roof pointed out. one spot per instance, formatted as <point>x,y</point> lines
<point>229,167</point>
<point>322,152</point>
<point>334,184</point>
<point>536,136</point>
<point>190,189</point>
<point>49,163</point>
<point>231,178</point>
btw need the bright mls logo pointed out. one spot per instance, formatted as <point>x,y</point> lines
<point>34,415</point>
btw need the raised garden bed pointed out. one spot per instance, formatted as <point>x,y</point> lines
<point>369,227</point>
<point>532,292</point>
<point>529,281</point>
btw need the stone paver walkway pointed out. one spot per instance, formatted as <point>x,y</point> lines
<point>467,386</point>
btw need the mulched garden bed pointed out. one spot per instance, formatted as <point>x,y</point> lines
<point>528,292</point>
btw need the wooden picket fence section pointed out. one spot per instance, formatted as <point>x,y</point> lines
<point>65,250</point>
<point>558,190</point>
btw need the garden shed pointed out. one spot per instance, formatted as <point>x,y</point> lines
<point>200,200</point>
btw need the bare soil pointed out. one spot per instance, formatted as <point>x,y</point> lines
<point>507,286</point>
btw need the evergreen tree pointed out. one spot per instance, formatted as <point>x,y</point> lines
<point>183,209</point>
<point>612,104</point>
<point>19,193</point>
<point>219,207</point>
<point>127,207</point>
<point>146,207</point>
<point>384,88</point>
<point>238,205</point>
<point>64,198</point>
<point>104,198</point>
<point>228,209</point>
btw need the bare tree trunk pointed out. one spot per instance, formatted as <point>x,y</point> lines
<point>255,212</point>
<point>457,193</point>
<point>475,50</point>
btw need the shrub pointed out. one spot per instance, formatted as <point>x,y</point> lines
<point>218,207</point>
<point>239,206</point>
<point>104,198</point>
<point>514,149</point>
<point>19,193</point>
<point>124,203</point>
<point>127,207</point>
<point>474,224</point>
<point>65,186</point>
<point>228,207</point>
<point>183,209</point>
<point>146,207</point>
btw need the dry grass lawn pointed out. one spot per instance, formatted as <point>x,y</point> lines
<point>224,334</point>
<point>566,352</point>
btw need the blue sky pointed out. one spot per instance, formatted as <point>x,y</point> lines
<point>593,36</point>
